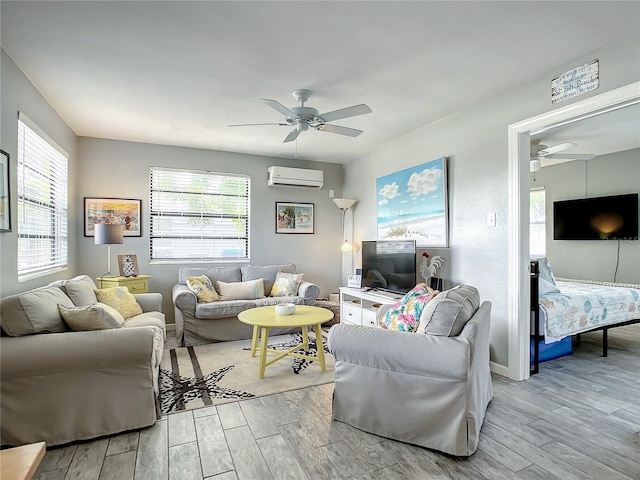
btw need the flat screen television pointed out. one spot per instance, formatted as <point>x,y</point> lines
<point>389,265</point>
<point>600,218</point>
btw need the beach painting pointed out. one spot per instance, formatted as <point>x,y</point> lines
<point>412,204</point>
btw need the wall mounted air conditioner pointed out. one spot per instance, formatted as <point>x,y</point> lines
<point>295,177</point>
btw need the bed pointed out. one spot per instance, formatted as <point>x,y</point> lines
<point>562,307</point>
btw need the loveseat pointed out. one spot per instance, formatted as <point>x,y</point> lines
<point>429,388</point>
<point>217,321</point>
<point>61,385</point>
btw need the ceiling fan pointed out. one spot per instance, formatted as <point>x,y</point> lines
<point>302,118</point>
<point>539,151</point>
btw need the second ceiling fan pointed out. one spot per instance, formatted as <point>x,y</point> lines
<point>539,151</point>
<point>302,118</point>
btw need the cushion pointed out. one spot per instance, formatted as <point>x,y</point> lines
<point>241,290</point>
<point>120,299</point>
<point>224,274</point>
<point>35,311</point>
<point>91,317</point>
<point>203,288</point>
<point>286,284</point>
<point>266,272</point>
<point>546,280</point>
<point>81,290</point>
<point>448,313</point>
<point>404,315</point>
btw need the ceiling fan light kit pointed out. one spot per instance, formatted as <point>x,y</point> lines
<point>302,117</point>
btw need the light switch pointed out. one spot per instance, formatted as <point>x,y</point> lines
<point>491,219</point>
<point>332,193</point>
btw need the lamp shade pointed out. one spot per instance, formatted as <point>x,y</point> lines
<point>108,234</point>
<point>344,203</point>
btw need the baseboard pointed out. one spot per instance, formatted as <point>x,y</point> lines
<point>499,369</point>
<point>171,327</point>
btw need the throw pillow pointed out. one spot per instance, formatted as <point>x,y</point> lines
<point>120,299</point>
<point>546,280</point>
<point>286,284</point>
<point>448,313</point>
<point>98,316</point>
<point>241,290</point>
<point>203,288</point>
<point>404,315</point>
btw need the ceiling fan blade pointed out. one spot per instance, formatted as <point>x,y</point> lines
<point>350,132</point>
<point>257,124</point>
<point>345,112</point>
<point>575,156</point>
<point>556,148</point>
<point>279,107</point>
<point>293,134</point>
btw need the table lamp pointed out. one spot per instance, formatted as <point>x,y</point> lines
<point>108,234</point>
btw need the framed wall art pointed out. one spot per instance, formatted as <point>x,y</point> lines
<point>121,211</point>
<point>413,204</point>
<point>128,265</point>
<point>294,217</point>
<point>5,199</point>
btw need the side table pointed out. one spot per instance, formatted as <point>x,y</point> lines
<point>139,284</point>
<point>21,463</point>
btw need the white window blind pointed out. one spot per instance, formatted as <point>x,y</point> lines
<point>537,222</point>
<point>199,215</point>
<point>43,242</point>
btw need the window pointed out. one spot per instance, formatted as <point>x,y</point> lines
<point>199,215</point>
<point>537,222</point>
<point>43,240</point>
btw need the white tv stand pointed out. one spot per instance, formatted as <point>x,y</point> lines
<point>360,307</point>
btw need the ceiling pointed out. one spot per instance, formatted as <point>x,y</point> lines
<point>179,72</point>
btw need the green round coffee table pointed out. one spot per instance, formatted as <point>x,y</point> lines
<point>265,318</point>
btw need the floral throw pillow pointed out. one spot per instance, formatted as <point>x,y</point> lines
<point>404,315</point>
<point>286,284</point>
<point>120,299</point>
<point>203,288</point>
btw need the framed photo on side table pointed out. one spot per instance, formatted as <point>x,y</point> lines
<point>120,211</point>
<point>5,203</point>
<point>128,265</point>
<point>354,281</point>
<point>294,217</point>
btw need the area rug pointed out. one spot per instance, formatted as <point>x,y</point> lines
<point>216,373</point>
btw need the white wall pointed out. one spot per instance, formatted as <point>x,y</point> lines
<point>612,174</point>
<point>18,94</point>
<point>112,168</point>
<point>475,140</point>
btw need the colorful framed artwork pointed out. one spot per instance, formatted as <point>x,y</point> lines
<point>121,211</point>
<point>413,205</point>
<point>294,217</point>
<point>5,198</point>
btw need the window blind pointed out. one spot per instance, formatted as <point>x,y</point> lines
<point>537,222</point>
<point>198,215</point>
<point>43,241</point>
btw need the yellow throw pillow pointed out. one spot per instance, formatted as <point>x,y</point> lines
<point>203,289</point>
<point>98,316</point>
<point>286,284</point>
<point>120,299</point>
<point>241,290</point>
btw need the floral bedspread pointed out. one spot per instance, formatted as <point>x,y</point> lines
<point>580,307</point>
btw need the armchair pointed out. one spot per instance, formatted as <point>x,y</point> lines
<point>418,388</point>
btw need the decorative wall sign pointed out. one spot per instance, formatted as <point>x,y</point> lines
<point>294,217</point>
<point>575,82</point>
<point>354,281</point>
<point>413,205</point>
<point>128,265</point>
<point>5,198</point>
<point>121,211</point>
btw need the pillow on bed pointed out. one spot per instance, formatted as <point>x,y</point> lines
<point>546,280</point>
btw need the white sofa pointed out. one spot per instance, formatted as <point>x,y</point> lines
<point>62,386</point>
<point>425,389</point>
<point>199,323</point>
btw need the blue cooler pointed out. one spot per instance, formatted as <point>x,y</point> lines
<point>549,351</point>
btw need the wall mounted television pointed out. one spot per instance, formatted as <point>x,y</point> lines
<point>599,218</point>
<point>389,265</point>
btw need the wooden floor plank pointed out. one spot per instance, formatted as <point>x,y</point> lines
<point>120,466</point>
<point>215,456</point>
<point>181,428</point>
<point>247,457</point>
<point>152,462</point>
<point>258,418</point>
<point>87,460</point>
<point>184,462</point>
<point>280,459</point>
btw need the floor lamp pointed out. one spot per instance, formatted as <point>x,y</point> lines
<point>344,204</point>
<point>108,234</point>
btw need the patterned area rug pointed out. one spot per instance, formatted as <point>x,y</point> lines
<point>196,377</point>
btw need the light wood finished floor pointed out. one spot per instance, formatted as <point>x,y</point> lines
<point>578,419</point>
